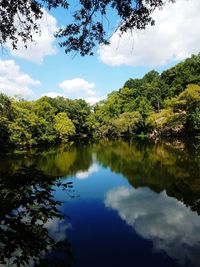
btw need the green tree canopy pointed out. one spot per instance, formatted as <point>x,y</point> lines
<point>64,126</point>
<point>150,104</point>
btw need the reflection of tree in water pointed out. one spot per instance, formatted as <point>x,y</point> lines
<point>57,161</point>
<point>157,166</point>
<point>26,197</point>
<point>27,209</point>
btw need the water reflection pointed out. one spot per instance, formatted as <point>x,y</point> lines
<point>30,221</point>
<point>168,223</point>
<point>153,188</point>
<point>85,174</point>
<point>157,166</point>
<point>56,161</point>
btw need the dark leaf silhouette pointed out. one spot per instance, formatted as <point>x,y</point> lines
<point>27,205</point>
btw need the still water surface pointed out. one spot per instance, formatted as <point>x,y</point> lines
<point>112,203</point>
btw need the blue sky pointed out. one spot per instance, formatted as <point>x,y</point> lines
<point>44,68</point>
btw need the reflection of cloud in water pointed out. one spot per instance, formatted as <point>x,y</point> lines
<point>57,229</point>
<point>85,174</point>
<point>171,226</point>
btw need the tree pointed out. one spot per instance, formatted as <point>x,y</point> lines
<point>178,77</point>
<point>189,102</point>
<point>77,110</point>
<point>145,99</point>
<point>6,107</point>
<point>128,123</point>
<point>64,126</point>
<point>6,114</point>
<point>20,18</point>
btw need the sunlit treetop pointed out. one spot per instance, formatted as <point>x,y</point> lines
<point>19,19</point>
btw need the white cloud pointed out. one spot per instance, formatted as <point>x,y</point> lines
<point>174,37</point>
<point>168,223</point>
<point>85,174</point>
<point>43,45</point>
<point>13,81</point>
<point>94,99</point>
<point>79,88</point>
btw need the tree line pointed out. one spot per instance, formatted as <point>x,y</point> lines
<point>158,104</point>
<point>166,104</point>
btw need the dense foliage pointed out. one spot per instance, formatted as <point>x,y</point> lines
<point>157,104</point>
<point>19,20</point>
<point>47,120</point>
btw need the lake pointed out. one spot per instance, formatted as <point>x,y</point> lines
<point>109,203</point>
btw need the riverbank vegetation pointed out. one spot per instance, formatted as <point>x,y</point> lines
<point>166,104</point>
